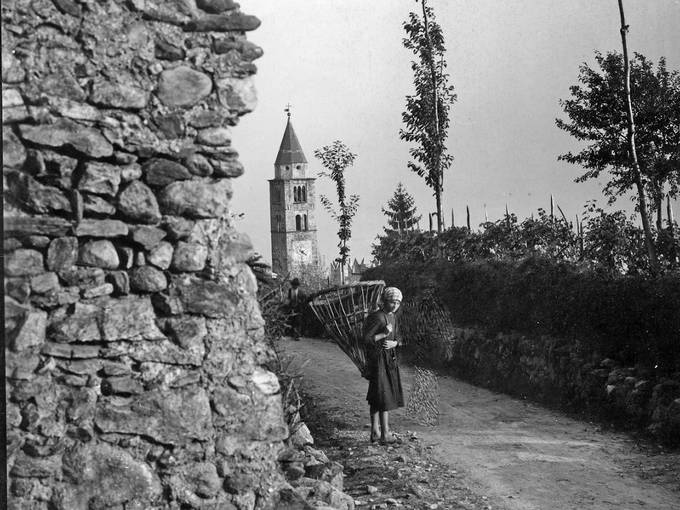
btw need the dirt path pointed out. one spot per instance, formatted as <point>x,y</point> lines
<point>505,453</point>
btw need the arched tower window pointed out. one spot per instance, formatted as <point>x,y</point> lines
<point>298,222</point>
<point>305,220</point>
<point>295,194</point>
<point>304,193</point>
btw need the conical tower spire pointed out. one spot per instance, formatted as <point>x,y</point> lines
<point>290,151</point>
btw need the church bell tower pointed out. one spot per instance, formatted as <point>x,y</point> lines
<point>292,205</point>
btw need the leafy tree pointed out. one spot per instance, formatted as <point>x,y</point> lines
<point>427,111</point>
<point>597,112</point>
<point>612,241</point>
<point>336,158</point>
<point>401,210</point>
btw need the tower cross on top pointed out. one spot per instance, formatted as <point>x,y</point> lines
<point>287,109</point>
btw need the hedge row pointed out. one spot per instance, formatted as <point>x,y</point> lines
<point>635,320</point>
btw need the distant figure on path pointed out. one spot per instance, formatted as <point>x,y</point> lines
<point>296,304</point>
<point>381,336</point>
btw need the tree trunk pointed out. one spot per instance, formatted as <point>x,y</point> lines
<point>435,98</point>
<point>649,241</point>
<point>671,232</point>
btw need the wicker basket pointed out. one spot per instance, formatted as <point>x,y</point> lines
<point>342,311</point>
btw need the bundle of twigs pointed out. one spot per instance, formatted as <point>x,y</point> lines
<point>423,404</point>
<point>342,311</point>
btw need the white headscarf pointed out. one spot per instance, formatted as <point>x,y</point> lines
<point>391,294</point>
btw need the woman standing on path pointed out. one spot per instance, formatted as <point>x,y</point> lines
<point>381,335</point>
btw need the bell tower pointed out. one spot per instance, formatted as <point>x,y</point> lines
<point>292,206</point>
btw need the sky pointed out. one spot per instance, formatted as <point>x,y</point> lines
<point>343,68</point>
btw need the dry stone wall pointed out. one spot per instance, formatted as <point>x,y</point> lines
<point>134,344</point>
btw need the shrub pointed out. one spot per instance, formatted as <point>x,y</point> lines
<point>633,319</point>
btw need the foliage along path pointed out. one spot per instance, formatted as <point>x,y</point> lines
<point>489,451</point>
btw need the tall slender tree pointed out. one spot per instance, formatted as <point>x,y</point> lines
<point>632,149</point>
<point>401,211</point>
<point>427,111</point>
<point>336,158</point>
<point>628,113</point>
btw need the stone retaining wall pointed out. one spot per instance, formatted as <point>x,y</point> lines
<point>134,343</point>
<point>559,373</point>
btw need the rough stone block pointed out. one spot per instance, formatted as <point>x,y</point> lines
<point>188,332</point>
<point>169,417</point>
<point>101,228</point>
<point>101,290</point>
<point>161,255</point>
<point>238,94</point>
<point>13,151</point>
<point>163,352</point>
<point>198,164</point>
<point>183,86</point>
<point>178,228</point>
<point>167,51</point>
<point>100,178</point>
<point>64,132</point>
<point>40,225</point>
<point>226,168</point>
<point>216,6</point>
<point>138,203</point>
<point>70,351</point>
<point>64,296</point>
<point>100,253</point>
<point>223,23</point>
<point>38,242</point>
<point>104,475</point>
<point>215,136</point>
<point>161,172</point>
<point>46,282</point>
<point>204,198</point>
<point>147,279</point>
<point>130,172</point>
<point>93,204</point>
<point>31,467</point>
<point>265,381</point>
<point>24,262</point>
<point>18,288</point>
<point>123,385</point>
<point>199,478</point>
<point>31,332</point>
<point>69,7</point>
<point>148,237</point>
<point>119,95</point>
<point>38,197</point>
<point>189,257</point>
<point>21,365</point>
<point>247,50</point>
<point>130,318</point>
<point>120,282</point>
<point>62,253</point>
<point>83,277</point>
<point>80,326</point>
<point>205,297</point>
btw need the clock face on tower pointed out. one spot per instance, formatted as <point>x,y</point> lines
<point>302,251</point>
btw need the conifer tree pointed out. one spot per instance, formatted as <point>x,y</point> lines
<point>401,211</point>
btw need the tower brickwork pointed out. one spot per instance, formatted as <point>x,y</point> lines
<point>292,198</point>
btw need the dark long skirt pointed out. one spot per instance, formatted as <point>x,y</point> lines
<point>384,384</point>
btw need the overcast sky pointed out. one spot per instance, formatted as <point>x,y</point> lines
<point>342,66</point>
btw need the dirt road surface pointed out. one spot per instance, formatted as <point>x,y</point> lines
<point>505,453</point>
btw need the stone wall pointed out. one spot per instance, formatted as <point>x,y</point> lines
<point>561,373</point>
<point>134,343</point>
